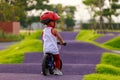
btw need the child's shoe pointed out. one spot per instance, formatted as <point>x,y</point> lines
<point>57,72</point>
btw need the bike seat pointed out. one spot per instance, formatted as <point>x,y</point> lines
<point>49,53</point>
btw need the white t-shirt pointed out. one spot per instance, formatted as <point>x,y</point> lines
<point>50,41</point>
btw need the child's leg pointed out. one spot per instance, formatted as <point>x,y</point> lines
<point>57,60</point>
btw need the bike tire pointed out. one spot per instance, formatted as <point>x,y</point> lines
<point>45,65</point>
<point>51,68</point>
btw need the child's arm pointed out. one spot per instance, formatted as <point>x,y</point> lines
<point>59,37</point>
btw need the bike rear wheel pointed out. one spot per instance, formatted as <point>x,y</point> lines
<point>45,66</point>
<point>48,64</point>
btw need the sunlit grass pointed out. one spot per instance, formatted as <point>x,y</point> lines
<point>101,77</point>
<point>109,67</point>
<point>87,35</point>
<point>90,36</point>
<point>15,53</point>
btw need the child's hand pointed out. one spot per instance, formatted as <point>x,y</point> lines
<point>64,44</point>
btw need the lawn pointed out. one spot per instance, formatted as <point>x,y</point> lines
<point>109,67</point>
<point>101,77</point>
<point>15,53</point>
<point>113,44</point>
<point>90,36</point>
<point>5,37</point>
<point>87,35</point>
<point>110,64</point>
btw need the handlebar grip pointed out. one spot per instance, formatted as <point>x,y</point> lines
<point>62,44</point>
<point>58,43</point>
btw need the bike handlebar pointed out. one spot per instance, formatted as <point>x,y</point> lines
<point>62,44</point>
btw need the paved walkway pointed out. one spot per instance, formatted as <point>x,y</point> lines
<point>79,58</point>
<point>4,45</point>
<point>107,36</point>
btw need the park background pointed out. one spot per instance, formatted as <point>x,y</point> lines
<point>92,19</point>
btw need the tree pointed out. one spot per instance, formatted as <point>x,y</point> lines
<point>112,10</point>
<point>69,19</point>
<point>16,10</point>
<point>96,4</point>
<point>91,9</point>
<point>103,12</point>
<point>70,22</point>
<point>37,5</point>
<point>11,11</point>
<point>63,12</point>
<point>60,9</point>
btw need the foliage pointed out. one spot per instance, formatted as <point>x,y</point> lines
<point>69,19</point>
<point>70,22</point>
<point>94,3</point>
<point>103,12</point>
<point>115,6</point>
<point>36,5</point>
<point>34,35</point>
<point>11,11</point>
<point>17,11</point>
<point>16,52</point>
<point>107,12</point>
<point>65,13</point>
<point>10,37</point>
<point>95,8</point>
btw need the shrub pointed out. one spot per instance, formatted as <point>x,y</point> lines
<point>10,37</point>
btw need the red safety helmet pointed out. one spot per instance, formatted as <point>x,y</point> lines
<point>49,16</point>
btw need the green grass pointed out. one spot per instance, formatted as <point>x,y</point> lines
<point>10,37</point>
<point>109,68</point>
<point>101,77</point>
<point>90,36</point>
<point>15,53</point>
<point>111,59</point>
<point>114,43</point>
<point>109,65</point>
<point>87,35</point>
